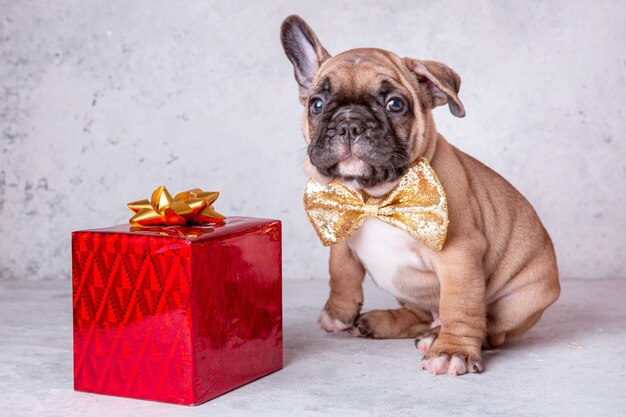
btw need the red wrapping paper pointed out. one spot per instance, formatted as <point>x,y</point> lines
<point>179,314</point>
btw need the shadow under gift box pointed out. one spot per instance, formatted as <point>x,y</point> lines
<point>179,314</point>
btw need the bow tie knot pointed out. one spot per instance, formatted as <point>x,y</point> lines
<point>416,205</point>
<point>370,209</point>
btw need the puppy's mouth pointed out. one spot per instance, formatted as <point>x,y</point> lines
<point>353,167</point>
<point>357,172</point>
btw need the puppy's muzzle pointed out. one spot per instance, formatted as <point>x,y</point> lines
<point>356,145</point>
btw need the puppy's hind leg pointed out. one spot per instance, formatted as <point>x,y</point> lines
<point>530,292</point>
<point>401,323</point>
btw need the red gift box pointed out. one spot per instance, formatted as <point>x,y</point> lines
<point>178,314</point>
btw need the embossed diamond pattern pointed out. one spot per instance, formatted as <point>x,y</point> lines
<point>132,316</point>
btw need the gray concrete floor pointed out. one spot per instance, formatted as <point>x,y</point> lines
<point>573,363</point>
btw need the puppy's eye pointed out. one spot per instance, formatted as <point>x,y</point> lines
<point>317,105</point>
<point>395,105</point>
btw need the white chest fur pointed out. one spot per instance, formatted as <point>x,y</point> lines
<point>385,250</point>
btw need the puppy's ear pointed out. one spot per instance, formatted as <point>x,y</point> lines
<point>439,83</point>
<point>304,50</point>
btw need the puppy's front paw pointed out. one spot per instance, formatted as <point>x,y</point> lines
<point>449,354</point>
<point>457,363</point>
<point>338,315</point>
<point>330,324</point>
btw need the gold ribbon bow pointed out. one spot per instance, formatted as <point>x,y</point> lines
<point>192,206</point>
<point>417,205</point>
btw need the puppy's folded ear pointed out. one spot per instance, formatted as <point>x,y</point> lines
<point>304,50</point>
<point>438,83</point>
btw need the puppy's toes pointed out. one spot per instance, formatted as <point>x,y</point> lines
<point>362,327</point>
<point>424,344</point>
<point>354,331</point>
<point>330,324</point>
<point>425,340</point>
<point>457,366</point>
<point>439,364</point>
<point>474,365</point>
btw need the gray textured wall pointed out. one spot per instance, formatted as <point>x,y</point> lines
<point>102,101</point>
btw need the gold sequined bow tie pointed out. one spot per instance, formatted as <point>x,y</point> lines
<point>417,205</point>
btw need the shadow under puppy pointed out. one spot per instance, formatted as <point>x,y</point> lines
<point>475,271</point>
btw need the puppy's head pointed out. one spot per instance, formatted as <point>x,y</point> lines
<point>366,110</point>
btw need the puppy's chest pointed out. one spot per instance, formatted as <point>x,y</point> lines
<point>390,255</point>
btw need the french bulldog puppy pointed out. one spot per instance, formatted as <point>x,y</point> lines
<point>367,117</point>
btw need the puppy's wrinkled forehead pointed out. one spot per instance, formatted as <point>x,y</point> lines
<point>359,72</point>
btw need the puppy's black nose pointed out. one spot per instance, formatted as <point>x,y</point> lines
<point>349,130</point>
